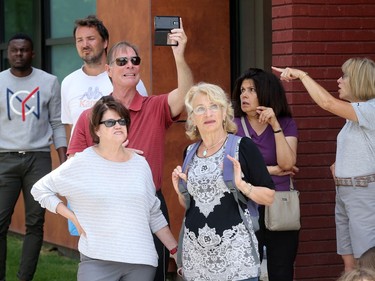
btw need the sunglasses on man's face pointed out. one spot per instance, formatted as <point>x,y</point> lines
<point>124,60</point>
<point>111,122</point>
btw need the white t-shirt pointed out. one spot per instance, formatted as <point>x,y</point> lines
<point>80,91</point>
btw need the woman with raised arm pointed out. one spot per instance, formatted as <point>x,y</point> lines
<point>354,169</point>
<point>262,112</point>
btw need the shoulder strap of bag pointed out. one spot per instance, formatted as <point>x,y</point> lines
<point>232,148</point>
<point>244,127</point>
<point>182,187</point>
<point>291,187</point>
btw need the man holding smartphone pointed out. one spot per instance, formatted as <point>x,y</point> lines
<point>150,116</point>
<point>83,87</point>
<point>163,26</point>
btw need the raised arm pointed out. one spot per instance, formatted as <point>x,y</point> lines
<point>184,74</point>
<point>259,194</point>
<point>251,175</point>
<point>320,95</point>
<point>176,175</point>
<point>286,146</point>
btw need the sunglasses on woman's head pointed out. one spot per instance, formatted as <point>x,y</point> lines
<point>111,122</point>
<point>124,60</point>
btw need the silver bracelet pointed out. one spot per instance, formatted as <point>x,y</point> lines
<point>251,189</point>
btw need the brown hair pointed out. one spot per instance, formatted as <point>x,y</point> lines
<point>92,21</point>
<point>101,106</point>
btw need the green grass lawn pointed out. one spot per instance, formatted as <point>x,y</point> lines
<point>52,266</point>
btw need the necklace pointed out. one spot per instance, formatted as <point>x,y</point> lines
<point>204,153</point>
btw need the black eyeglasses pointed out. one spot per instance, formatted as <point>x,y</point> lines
<point>124,60</point>
<point>111,122</point>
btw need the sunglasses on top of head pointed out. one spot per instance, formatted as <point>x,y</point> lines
<point>111,122</point>
<point>124,60</point>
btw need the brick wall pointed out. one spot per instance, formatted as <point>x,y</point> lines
<point>318,36</point>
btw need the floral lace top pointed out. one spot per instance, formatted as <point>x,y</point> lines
<point>216,243</point>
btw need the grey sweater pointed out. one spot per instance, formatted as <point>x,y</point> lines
<point>114,202</point>
<point>30,112</point>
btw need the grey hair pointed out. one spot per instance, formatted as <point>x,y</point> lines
<point>119,46</point>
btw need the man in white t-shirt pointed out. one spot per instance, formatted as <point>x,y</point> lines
<point>83,87</point>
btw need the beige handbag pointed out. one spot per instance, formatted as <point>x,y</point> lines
<point>284,213</point>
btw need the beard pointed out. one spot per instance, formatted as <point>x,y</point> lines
<point>93,58</point>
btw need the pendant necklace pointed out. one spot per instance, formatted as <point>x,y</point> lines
<point>204,153</point>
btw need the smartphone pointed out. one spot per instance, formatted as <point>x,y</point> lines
<point>163,26</point>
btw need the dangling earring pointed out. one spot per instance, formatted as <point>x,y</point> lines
<point>224,123</point>
<point>195,129</point>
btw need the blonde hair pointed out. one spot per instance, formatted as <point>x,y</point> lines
<point>358,274</point>
<point>367,259</point>
<point>216,95</point>
<point>361,75</point>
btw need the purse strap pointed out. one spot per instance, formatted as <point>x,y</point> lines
<point>244,127</point>
<point>246,131</point>
<point>291,184</point>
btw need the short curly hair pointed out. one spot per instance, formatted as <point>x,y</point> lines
<point>217,96</point>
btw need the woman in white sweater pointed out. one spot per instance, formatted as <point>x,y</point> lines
<point>111,191</point>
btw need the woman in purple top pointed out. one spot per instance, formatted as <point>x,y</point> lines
<point>262,113</point>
